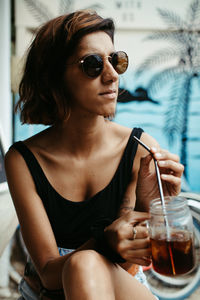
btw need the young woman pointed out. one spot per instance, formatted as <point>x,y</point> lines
<point>82,187</point>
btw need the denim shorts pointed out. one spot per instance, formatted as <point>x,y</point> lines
<point>28,294</point>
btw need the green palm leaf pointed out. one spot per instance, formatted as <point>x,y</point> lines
<point>38,10</point>
<point>184,52</point>
<point>171,19</point>
<point>160,79</point>
<point>193,13</point>
<point>177,37</point>
<point>157,58</point>
<point>174,113</point>
<point>65,6</point>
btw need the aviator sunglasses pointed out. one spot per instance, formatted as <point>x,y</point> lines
<point>92,64</point>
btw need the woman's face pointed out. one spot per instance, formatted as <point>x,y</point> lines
<point>92,96</point>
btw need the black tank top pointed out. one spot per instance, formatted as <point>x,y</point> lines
<point>71,221</point>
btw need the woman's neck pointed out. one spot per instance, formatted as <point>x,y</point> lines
<point>81,137</point>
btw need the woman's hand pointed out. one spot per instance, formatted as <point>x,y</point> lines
<point>170,169</point>
<point>129,238</point>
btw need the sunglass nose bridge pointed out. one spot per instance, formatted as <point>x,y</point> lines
<point>109,66</point>
<point>107,58</point>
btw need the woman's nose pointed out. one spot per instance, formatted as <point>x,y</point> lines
<point>109,73</point>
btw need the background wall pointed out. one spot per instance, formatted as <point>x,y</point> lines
<point>5,81</point>
<point>163,94</point>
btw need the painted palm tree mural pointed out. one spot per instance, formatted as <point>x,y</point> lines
<point>41,12</point>
<point>184,49</point>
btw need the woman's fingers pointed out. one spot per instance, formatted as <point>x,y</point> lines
<point>172,167</point>
<point>169,165</point>
<point>173,180</point>
<point>167,161</point>
<point>144,262</point>
<point>132,255</point>
<point>141,261</point>
<point>135,217</point>
<point>138,245</point>
<point>130,237</point>
<point>164,154</point>
<point>138,232</point>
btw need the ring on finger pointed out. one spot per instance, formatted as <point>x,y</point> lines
<point>134,233</point>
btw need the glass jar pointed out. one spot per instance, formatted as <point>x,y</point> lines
<point>171,236</point>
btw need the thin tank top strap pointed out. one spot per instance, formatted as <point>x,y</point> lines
<point>34,167</point>
<point>137,132</point>
<point>131,149</point>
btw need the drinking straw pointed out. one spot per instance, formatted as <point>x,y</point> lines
<point>159,184</point>
<point>162,200</point>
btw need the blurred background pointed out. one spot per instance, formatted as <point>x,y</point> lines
<point>160,92</point>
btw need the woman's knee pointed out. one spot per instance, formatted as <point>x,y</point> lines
<point>84,261</point>
<point>91,271</point>
<point>87,266</point>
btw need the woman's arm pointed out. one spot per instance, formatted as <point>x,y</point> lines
<point>35,226</point>
<point>142,188</point>
<point>119,234</point>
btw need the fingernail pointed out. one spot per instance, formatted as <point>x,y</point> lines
<point>161,163</point>
<point>154,149</point>
<point>158,155</point>
<point>163,176</point>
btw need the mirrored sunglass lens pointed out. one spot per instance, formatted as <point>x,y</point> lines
<point>120,61</point>
<point>93,65</point>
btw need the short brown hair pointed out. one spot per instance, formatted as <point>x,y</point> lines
<point>42,94</point>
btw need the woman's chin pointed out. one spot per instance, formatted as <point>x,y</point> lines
<point>110,113</point>
<point>109,117</point>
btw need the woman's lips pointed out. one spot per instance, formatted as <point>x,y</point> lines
<point>109,94</point>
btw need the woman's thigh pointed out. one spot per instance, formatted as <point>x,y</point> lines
<point>127,287</point>
<point>89,266</point>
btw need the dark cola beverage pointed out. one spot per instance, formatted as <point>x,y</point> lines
<point>174,257</point>
<point>171,234</point>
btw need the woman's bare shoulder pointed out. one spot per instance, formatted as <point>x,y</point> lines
<point>120,131</point>
<point>149,140</point>
<point>123,133</point>
<point>12,156</point>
